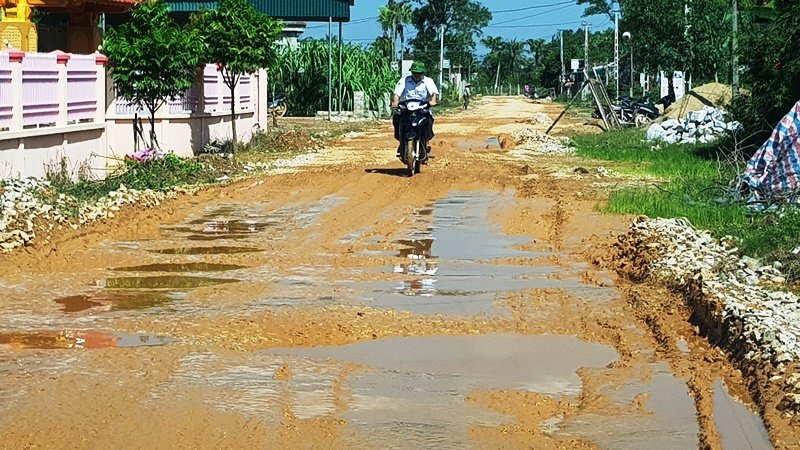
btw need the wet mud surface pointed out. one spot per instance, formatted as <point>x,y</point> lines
<point>343,305</point>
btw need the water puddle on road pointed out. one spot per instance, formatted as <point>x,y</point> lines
<point>664,414</point>
<point>452,261</point>
<point>490,143</point>
<point>738,426</point>
<point>219,250</point>
<point>118,301</point>
<point>407,391</point>
<point>162,282</point>
<point>244,221</point>
<point>88,339</point>
<point>180,267</point>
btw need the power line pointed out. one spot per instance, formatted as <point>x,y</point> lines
<point>532,15</point>
<point>571,2</point>
<point>535,25</point>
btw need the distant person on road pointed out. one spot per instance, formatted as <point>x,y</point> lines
<point>414,87</point>
<point>467,94</point>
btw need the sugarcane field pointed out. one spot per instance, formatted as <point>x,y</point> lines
<point>400,224</point>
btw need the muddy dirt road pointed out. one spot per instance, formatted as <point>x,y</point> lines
<point>339,304</point>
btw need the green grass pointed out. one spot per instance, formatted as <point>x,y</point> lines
<point>157,174</point>
<point>685,182</point>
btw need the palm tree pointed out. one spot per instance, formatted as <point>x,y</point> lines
<point>393,19</point>
<point>494,44</point>
<point>513,50</point>
<point>535,47</point>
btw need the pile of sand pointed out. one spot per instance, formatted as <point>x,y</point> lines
<point>717,95</point>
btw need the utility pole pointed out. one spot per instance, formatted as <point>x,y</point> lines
<point>585,55</point>
<point>561,84</point>
<point>586,46</point>
<point>616,46</point>
<point>441,57</point>
<point>330,67</point>
<point>735,50</point>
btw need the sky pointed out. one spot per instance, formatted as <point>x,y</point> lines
<point>511,19</point>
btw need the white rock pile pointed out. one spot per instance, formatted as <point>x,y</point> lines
<point>25,209</point>
<point>759,324</point>
<point>529,140</point>
<point>702,126</point>
<point>538,118</point>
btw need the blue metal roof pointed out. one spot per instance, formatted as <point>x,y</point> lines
<point>297,10</point>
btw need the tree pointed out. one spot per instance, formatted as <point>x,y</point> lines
<point>463,21</point>
<point>495,45</point>
<point>238,39</point>
<point>152,59</point>
<point>602,7</point>
<point>393,19</point>
<point>535,47</point>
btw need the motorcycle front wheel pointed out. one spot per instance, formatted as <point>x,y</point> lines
<point>410,160</point>
<point>280,110</point>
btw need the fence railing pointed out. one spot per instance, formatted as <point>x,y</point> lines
<point>40,90</point>
<point>209,94</point>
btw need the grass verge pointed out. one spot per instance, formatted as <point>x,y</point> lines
<point>691,181</point>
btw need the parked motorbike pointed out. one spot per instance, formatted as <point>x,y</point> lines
<point>414,117</point>
<point>279,104</point>
<point>632,112</point>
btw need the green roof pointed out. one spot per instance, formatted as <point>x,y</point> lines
<point>296,10</point>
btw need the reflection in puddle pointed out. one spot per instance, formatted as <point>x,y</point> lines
<point>180,267</point>
<point>117,300</point>
<point>417,268</point>
<point>738,426</point>
<point>460,288</point>
<point>77,303</point>
<point>206,250</point>
<point>243,221</point>
<point>416,248</point>
<point>216,237</point>
<point>162,282</point>
<point>466,245</point>
<point>51,340</point>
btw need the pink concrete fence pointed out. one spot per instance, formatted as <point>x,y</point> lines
<point>208,95</point>
<point>41,90</point>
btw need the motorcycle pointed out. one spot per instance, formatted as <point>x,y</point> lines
<point>631,112</point>
<point>279,104</point>
<point>413,140</point>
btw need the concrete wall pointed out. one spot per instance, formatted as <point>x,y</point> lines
<point>28,154</point>
<point>185,135</point>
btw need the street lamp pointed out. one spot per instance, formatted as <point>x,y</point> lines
<point>627,35</point>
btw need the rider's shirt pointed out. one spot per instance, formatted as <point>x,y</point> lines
<point>408,89</point>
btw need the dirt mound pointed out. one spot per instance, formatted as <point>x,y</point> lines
<point>717,95</point>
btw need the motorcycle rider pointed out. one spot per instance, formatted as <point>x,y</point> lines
<point>414,87</point>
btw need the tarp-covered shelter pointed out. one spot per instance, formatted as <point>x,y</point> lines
<point>773,173</point>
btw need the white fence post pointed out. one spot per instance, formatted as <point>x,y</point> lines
<point>262,104</point>
<point>15,58</point>
<point>62,59</point>
<point>100,87</point>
